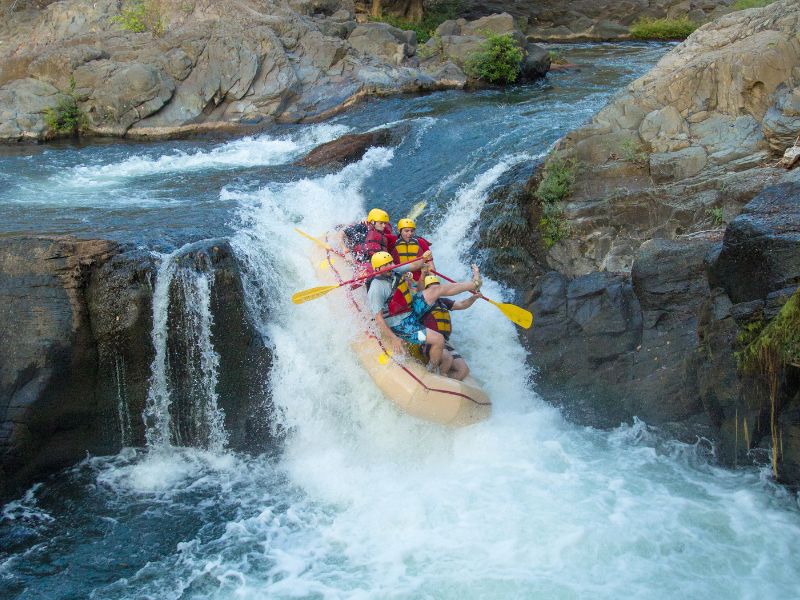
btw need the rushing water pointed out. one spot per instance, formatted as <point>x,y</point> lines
<point>362,501</point>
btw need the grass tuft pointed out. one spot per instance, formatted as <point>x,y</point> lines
<point>663,29</point>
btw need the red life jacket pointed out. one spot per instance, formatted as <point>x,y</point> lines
<point>374,241</point>
<point>399,301</point>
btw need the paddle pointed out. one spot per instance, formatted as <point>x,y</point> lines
<point>513,313</point>
<point>327,247</point>
<point>321,290</point>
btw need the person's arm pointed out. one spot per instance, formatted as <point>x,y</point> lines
<point>434,292</point>
<point>465,303</point>
<point>388,336</point>
<point>416,265</point>
<point>425,246</point>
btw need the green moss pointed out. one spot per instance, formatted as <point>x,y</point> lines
<point>774,345</point>
<point>717,216</point>
<point>744,4</point>
<point>769,353</point>
<point>498,61</point>
<point>663,29</point>
<point>66,118</point>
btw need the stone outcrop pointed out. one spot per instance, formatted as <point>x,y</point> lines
<point>689,139</point>
<point>589,20</point>
<point>352,147</point>
<point>456,40</point>
<point>201,65</point>
<point>77,318</point>
<point>681,245</point>
<point>660,344</point>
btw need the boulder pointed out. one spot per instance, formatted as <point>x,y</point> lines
<point>760,253</point>
<point>351,147</point>
<point>536,63</point>
<point>381,39</point>
<point>23,104</point>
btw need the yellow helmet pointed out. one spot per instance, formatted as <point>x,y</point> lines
<point>380,259</point>
<point>377,215</point>
<point>431,279</point>
<point>403,223</point>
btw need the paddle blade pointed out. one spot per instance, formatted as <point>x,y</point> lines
<point>516,315</point>
<point>313,239</point>
<point>417,210</point>
<point>384,358</point>
<point>312,293</point>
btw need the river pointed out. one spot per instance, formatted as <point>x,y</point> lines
<point>360,501</point>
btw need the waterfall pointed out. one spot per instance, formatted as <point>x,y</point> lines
<point>182,405</point>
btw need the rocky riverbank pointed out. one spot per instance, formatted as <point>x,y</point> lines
<point>183,67</point>
<point>675,242</point>
<point>77,318</point>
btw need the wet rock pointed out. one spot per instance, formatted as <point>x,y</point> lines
<point>763,242</point>
<point>351,147</point>
<point>381,39</point>
<point>77,376</point>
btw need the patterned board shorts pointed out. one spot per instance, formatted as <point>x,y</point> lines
<point>410,330</point>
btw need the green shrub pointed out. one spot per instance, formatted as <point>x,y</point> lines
<point>556,184</point>
<point>557,181</point>
<point>717,216</point>
<point>66,118</point>
<point>139,16</point>
<point>438,13</point>
<point>744,4</point>
<point>633,152</point>
<point>498,61</point>
<point>663,29</point>
<point>557,58</point>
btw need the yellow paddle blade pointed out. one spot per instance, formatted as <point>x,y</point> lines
<point>384,358</point>
<point>324,265</point>
<point>514,313</point>
<point>313,239</point>
<point>312,293</point>
<point>417,210</point>
<point>517,315</point>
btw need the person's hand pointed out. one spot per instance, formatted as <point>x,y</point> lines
<point>427,255</point>
<point>397,347</point>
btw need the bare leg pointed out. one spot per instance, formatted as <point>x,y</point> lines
<point>459,369</point>
<point>447,362</point>
<point>436,341</point>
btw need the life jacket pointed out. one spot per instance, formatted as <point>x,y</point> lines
<point>407,251</point>
<point>373,242</point>
<point>438,319</point>
<point>399,300</point>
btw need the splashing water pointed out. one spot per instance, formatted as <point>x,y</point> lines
<point>366,502</point>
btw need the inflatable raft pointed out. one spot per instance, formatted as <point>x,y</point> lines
<point>404,380</point>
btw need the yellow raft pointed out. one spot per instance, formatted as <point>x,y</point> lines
<point>405,381</point>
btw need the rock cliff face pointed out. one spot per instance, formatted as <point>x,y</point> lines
<point>581,20</point>
<point>199,65</point>
<point>75,368</point>
<point>681,241</point>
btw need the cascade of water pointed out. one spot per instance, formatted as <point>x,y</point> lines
<point>123,413</point>
<point>182,403</point>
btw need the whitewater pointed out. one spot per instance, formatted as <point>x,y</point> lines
<point>360,500</point>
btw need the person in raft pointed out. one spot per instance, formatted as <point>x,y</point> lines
<point>409,246</point>
<point>399,315</point>
<point>438,319</point>
<point>361,240</point>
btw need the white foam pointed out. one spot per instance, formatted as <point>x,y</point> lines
<point>262,150</point>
